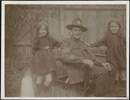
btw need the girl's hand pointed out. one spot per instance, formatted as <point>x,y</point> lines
<point>107,66</point>
<point>48,79</point>
<point>39,80</point>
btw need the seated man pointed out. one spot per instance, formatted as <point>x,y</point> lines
<point>80,65</point>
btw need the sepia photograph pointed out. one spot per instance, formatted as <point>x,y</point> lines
<point>65,49</point>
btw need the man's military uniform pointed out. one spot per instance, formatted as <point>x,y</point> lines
<point>73,51</point>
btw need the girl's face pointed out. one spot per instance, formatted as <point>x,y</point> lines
<point>114,27</point>
<point>42,32</point>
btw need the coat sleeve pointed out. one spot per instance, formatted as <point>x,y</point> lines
<point>36,46</point>
<point>100,43</point>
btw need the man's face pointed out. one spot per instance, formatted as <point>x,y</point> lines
<point>114,27</point>
<point>76,32</point>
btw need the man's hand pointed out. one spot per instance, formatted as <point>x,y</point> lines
<point>67,80</point>
<point>107,66</point>
<point>48,79</point>
<point>88,62</point>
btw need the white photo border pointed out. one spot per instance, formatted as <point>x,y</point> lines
<point>58,3</point>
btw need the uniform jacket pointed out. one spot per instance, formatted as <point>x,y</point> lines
<point>72,51</point>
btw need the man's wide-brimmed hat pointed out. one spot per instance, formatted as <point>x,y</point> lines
<point>77,23</point>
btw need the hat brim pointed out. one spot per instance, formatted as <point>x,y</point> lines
<point>83,29</point>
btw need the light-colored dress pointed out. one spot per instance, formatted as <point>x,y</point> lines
<point>27,87</point>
